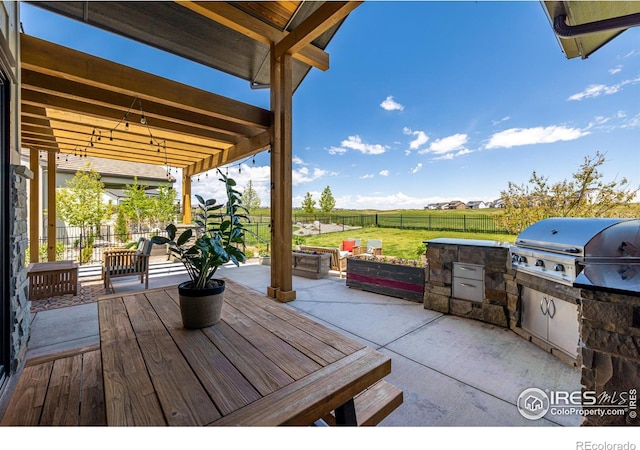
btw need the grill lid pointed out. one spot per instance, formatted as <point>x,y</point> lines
<point>569,235</point>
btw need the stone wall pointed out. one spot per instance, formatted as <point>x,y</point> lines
<point>19,322</point>
<point>611,352</point>
<point>492,256</point>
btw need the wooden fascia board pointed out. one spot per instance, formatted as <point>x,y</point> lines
<point>241,150</point>
<point>243,23</point>
<point>52,59</point>
<point>323,18</point>
<point>47,84</point>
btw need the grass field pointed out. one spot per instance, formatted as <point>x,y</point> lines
<point>400,243</point>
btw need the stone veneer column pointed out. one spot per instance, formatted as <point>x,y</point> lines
<point>611,352</point>
<point>19,322</point>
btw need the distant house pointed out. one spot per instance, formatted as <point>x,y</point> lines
<point>477,204</point>
<point>498,203</point>
<point>456,204</point>
<point>434,206</point>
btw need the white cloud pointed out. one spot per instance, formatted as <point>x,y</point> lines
<point>297,160</point>
<point>452,155</point>
<point>384,173</point>
<point>448,144</point>
<point>355,143</point>
<point>504,119</point>
<point>417,168</point>
<point>537,135</point>
<point>596,90</point>
<point>391,105</point>
<point>367,176</point>
<point>615,70</point>
<point>421,138</point>
<point>303,175</point>
<point>337,150</point>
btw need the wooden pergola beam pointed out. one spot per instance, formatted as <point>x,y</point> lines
<point>243,23</point>
<point>244,148</point>
<point>323,18</point>
<point>51,59</point>
<point>47,85</point>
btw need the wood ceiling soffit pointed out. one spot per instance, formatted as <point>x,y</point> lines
<point>47,84</point>
<point>239,151</point>
<point>277,13</point>
<point>323,18</point>
<point>232,17</point>
<point>46,57</point>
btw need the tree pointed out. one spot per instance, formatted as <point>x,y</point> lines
<point>584,195</point>
<point>121,229</point>
<point>136,204</point>
<point>80,204</point>
<point>308,204</point>
<point>250,197</point>
<point>327,202</point>
<point>163,206</point>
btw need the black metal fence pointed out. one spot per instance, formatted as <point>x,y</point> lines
<point>73,244</point>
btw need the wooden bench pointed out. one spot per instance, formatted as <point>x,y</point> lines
<point>373,404</point>
<point>338,261</point>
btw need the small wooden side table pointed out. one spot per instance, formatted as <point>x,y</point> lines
<point>48,279</point>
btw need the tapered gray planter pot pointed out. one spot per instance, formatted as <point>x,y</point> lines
<point>201,307</point>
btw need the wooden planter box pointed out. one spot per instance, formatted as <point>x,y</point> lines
<point>311,265</point>
<point>389,279</point>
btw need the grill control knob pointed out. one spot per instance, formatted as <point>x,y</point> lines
<point>514,258</point>
<point>522,259</point>
<point>539,263</point>
<point>558,268</point>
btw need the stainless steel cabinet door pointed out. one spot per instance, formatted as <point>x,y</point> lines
<point>564,326</point>
<point>534,317</point>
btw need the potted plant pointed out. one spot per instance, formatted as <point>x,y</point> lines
<point>220,239</point>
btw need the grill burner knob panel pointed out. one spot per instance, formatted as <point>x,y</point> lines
<point>558,268</point>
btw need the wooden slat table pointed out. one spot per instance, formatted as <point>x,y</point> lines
<point>261,365</point>
<point>48,279</point>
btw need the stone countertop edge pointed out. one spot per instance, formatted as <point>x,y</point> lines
<point>471,242</point>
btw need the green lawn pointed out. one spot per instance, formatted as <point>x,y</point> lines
<point>400,243</point>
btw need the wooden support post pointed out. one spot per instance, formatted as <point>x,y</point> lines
<point>34,205</point>
<point>186,199</point>
<point>281,178</point>
<point>51,206</point>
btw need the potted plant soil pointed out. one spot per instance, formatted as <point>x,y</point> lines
<point>220,238</point>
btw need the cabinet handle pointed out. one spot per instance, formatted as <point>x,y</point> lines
<point>467,268</point>
<point>554,308</point>
<point>467,285</point>
<point>544,301</point>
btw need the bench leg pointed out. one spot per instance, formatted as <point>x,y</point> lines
<point>346,414</point>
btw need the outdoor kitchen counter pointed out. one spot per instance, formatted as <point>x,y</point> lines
<point>471,242</point>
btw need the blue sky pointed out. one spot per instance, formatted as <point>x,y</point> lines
<point>425,102</point>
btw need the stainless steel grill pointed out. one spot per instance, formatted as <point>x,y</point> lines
<point>558,249</point>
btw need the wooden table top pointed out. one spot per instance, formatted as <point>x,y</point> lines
<point>261,365</point>
<point>51,266</point>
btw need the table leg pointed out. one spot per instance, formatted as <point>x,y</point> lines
<point>346,414</point>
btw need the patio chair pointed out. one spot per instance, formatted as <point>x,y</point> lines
<point>121,262</point>
<point>374,247</point>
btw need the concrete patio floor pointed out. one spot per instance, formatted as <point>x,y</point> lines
<point>453,371</point>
